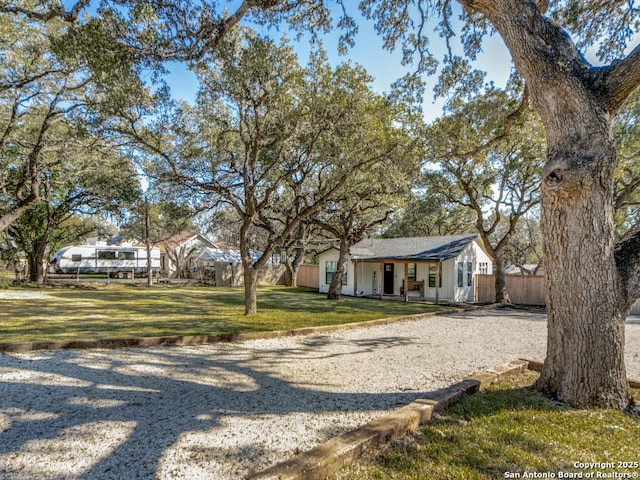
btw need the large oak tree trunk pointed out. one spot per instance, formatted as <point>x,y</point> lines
<point>590,281</point>
<point>586,309</point>
<point>586,303</point>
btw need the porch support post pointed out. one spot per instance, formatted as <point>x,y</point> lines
<point>438,282</point>
<point>475,288</point>
<point>380,283</point>
<point>355,278</point>
<point>406,282</point>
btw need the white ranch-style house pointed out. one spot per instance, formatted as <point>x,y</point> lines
<point>434,268</point>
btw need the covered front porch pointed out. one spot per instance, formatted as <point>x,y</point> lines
<point>416,280</point>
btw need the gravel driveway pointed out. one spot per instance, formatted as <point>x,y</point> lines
<point>222,411</point>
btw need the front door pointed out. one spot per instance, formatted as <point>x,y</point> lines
<point>388,279</point>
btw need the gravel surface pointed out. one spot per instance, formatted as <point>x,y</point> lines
<point>222,411</point>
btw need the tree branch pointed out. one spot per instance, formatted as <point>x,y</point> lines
<point>620,79</point>
<point>624,191</point>
<point>507,124</point>
<point>212,33</point>
<point>45,16</point>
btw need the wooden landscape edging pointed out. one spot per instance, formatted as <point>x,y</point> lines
<point>203,339</point>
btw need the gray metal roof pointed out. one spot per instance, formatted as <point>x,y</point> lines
<point>215,254</point>
<point>411,248</point>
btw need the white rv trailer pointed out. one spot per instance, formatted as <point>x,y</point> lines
<point>114,260</point>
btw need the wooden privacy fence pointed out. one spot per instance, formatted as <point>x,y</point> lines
<point>229,274</point>
<point>308,276</point>
<point>522,289</point>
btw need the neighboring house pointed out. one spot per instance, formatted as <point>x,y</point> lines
<point>191,255</point>
<point>222,264</point>
<point>433,268</point>
<point>220,252</point>
<point>525,269</point>
<point>179,253</point>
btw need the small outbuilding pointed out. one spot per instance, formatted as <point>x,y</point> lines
<point>179,254</point>
<point>440,268</point>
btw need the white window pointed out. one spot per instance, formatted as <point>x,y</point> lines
<point>432,275</point>
<point>483,267</point>
<point>330,269</point>
<point>411,272</point>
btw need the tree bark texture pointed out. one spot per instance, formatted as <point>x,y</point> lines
<point>588,294</point>
<point>37,263</point>
<point>500,284</point>
<point>335,288</point>
<point>496,256</point>
<point>15,213</point>
<point>149,265</point>
<point>293,264</point>
<point>291,278</point>
<point>250,289</point>
<point>586,311</point>
<point>249,272</point>
<point>147,230</point>
<point>585,303</point>
<point>250,269</point>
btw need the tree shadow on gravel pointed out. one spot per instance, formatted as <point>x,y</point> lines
<point>118,414</point>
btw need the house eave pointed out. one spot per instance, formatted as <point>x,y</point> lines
<point>408,259</point>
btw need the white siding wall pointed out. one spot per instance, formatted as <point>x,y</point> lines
<point>476,255</point>
<point>332,256</point>
<point>368,276</point>
<point>446,291</point>
<point>482,257</point>
<point>464,293</point>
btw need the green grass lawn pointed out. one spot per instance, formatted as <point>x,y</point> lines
<point>506,431</point>
<point>125,311</point>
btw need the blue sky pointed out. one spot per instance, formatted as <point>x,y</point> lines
<point>384,66</point>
